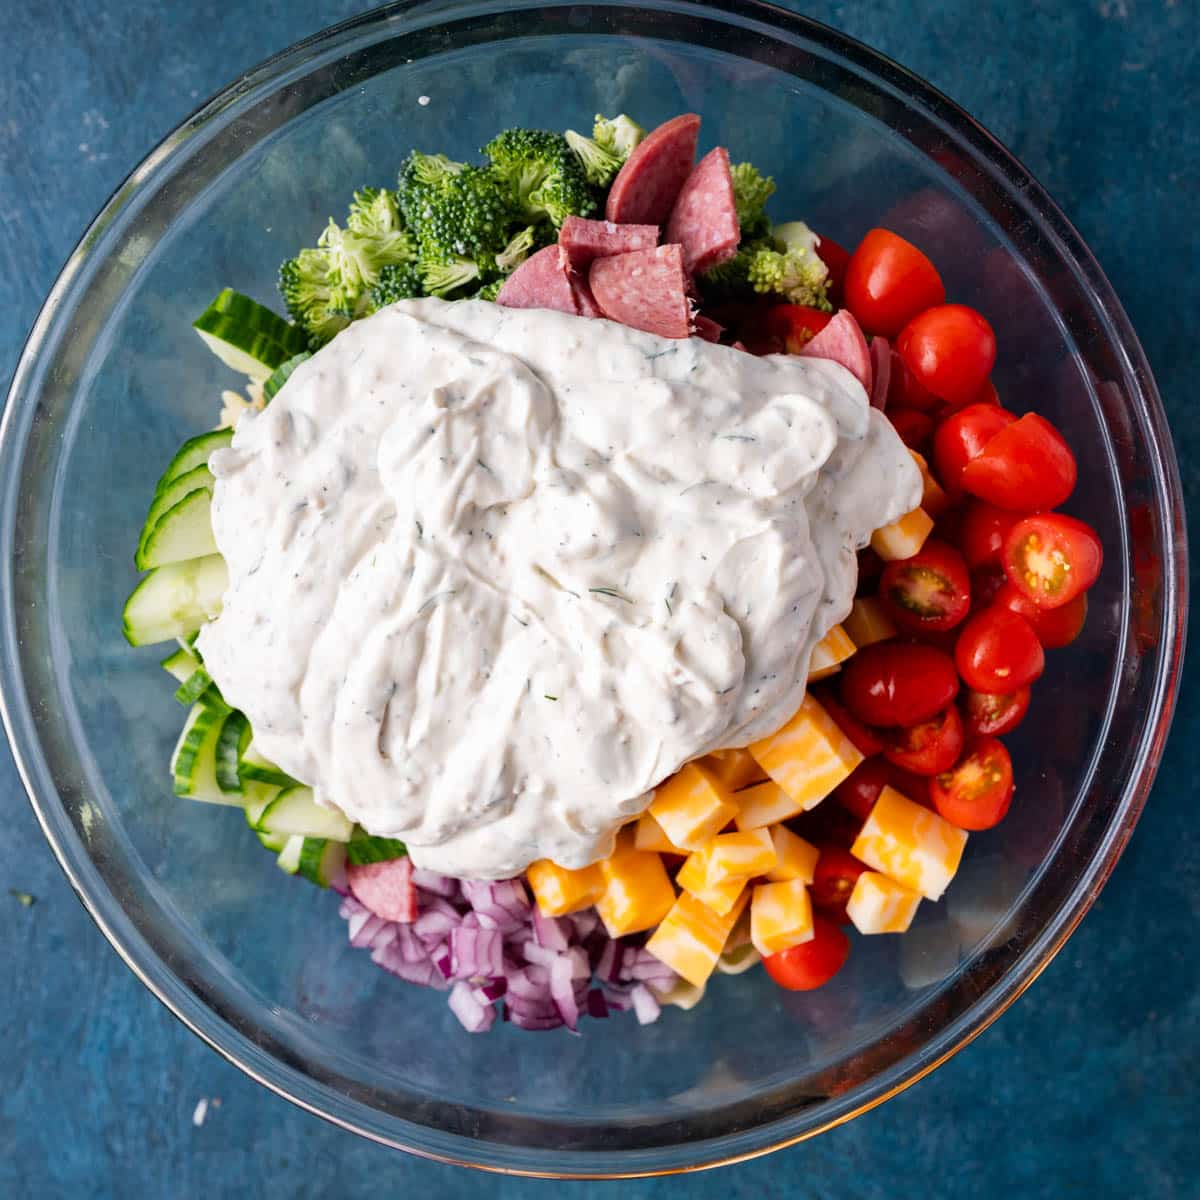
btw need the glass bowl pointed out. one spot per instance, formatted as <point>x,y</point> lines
<point>113,378</point>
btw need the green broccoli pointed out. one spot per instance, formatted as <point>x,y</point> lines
<point>604,153</point>
<point>619,136</point>
<point>489,291</point>
<point>751,191</point>
<point>397,282</point>
<point>794,270</point>
<point>544,175</point>
<point>730,280</point>
<point>304,284</point>
<point>517,250</point>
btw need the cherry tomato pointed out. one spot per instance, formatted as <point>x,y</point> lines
<point>987,714</point>
<point>986,583</point>
<point>977,793</point>
<point>961,437</point>
<point>928,747</point>
<point>898,683</point>
<point>813,963</point>
<point>914,427</point>
<point>834,877</point>
<point>828,825</point>
<point>998,651</point>
<point>889,281</point>
<point>867,740</point>
<point>1055,627</point>
<point>837,259</point>
<point>982,533</point>
<point>858,792</point>
<point>1026,466</point>
<point>948,523</point>
<point>905,392</point>
<point>869,567</point>
<point>950,350</point>
<point>930,591</point>
<point>1052,558</point>
<point>793,326</point>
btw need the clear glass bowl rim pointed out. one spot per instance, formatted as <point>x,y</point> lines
<point>730,1146</point>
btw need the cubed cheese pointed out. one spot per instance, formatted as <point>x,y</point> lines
<point>763,805</point>
<point>739,855</point>
<point>692,936</point>
<point>808,757</point>
<point>794,857</point>
<point>910,844</point>
<point>903,538</point>
<point>637,891</point>
<point>832,650</point>
<point>933,498</point>
<point>734,768</point>
<point>648,835</point>
<point>721,897</point>
<point>692,806</point>
<point>780,916</point>
<point>559,891</point>
<point>869,622</point>
<point>881,905</point>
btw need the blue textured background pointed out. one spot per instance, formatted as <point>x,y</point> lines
<point>1088,1087</point>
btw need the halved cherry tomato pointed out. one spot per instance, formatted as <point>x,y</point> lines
<point>889,281</point>
<point>867,740</point>
<point>793,326</point>
<point>1052,558</point>
<point>983,530</point>
<point>928,747</point>
<point>930,591</point>
<point>1027,467</point>
<point>977,793</point>
<point>898,683</point>
<point>998,651</point>
<point>834,877</point>
<point>905,392</point>
<point>858,792</point>
<point>962,437</point>
<point>837,259</point>
<point>986,583</point>
<point>989,714</point>
<point>914,427</point>
<point>813,963</point>
<point>950,350</point>
<point>1055,627</point>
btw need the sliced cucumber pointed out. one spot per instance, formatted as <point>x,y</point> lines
<point>364,848</point>
<point>181,665</point>
<point>235,736</point>
<point>184,531</point>
<point>195,686</point>
<point>198,478</point>
<point>193,765</point>
<point>264,797</point>
<point>322,861</point>
<point>273,841</point>
<point>282,374</point>
<point>195,452</point>
<point>175,600</point>
<point>289,856</point>
<point>246,336</point>
<point>254,766</point>
<point>295,811</point>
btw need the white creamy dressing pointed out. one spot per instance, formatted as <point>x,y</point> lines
<point>495,573</point>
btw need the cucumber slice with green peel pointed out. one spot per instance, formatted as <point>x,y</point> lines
<point>184,531</point>
<point>195,452</point>
<point>364,848</point>
<point>181,665</point>
<point>175,600</point>
<point>254,766</point>
<point>235,737</point>
<point>264,797</point>
<point>289,856</point>
<point>266,320</point>
<point>194,686</point>
<point>322,861</point>
<point>273,841</point>
<point>198,478</point>
<point>282,374</point>
<point>246,336</point>
<point>295,811</point>
<point>194,763</point>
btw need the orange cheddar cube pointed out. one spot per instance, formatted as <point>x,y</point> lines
<point>794,857</point>
<point>829,653</point>
<point>692,806</point>
<point>910,844</point>
<point>869,622</point>
<point>648,835</point>
<point>881,905</point>
<point>933,498</point>
<point>692,936</point>
<point>763,805</point>
<point>808,757</point>
<point>559,891</point>
<point>739,855</point>
<point>902,538</point>
<point>781,916</point>
<point>734,768</point>
<point>721,897</point>
<point>637,890</point>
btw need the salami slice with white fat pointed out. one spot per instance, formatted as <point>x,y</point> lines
<point>583,296</point>
<point>645,188</point>
<point>881,371</point>
<point>582,241</point>
<point>843,342</point>
<point>540,282</point>
<point>704,220</point>
<point>386,888</point>
<point>645,289</point>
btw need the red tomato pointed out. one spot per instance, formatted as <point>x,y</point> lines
<point>982,533</point>
<point>1055,627</point>
<point>977,793</point>
<point>889,281</point>
<point>905,392</point>
<point>998,651</point>
<point>961,437</point>
<point>869,567</point>
<point>793,326</point>
<point>950,350</point>
<point>865,739</point>
<point>987,714</point>
<point>929,747</point>
<point>898,683</point>
<point>913,426</point>
<point>837,259</point>
<point>930,591</point>
<point>947,524</point>
<point>834,877</point>
<point>1052,558</point>
<point>1026,466</point>
<point>812,963</point>
<point>986,583</point>
<point>858,792</point>
<point>827,825</point>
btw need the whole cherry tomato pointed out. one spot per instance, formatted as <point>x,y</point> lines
<point>858,792</point>
<point>813,963</point>
<point>898,683</point>
<point>914,426</point>
<point>977,793</point>
<point>1052,558</point>
<point>931,591</point>
<point>1027,467</point>
<point>837,259</point>
<point>961,437</point>
<point>950,350</point>
<point>889,281</point>
<point>998,651</point>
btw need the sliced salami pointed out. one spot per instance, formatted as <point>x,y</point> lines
<point>881,371</point>
<point>704,220</point>
<point>583,241</point>
<point>843,342</point>
<point>386,888</point>
<point>583,296</point>
<point>540,282</point>
<point>645,289</point>
<point>645,188</point>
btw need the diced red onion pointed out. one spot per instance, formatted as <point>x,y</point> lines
<point>608,967</point>
<point>439,885</point>
<point>442,961</point>
<point>475,953</point>
<point>521,1021</point>
<point>429,903</point>
<point>562,991</point>
<point>387,934</point>
<point>641,965</point>
<point>539,954</point>
<point>597,1006</point>
<point>434,926</point>
<point>645,1005</point>
<point>492,990</point>
<point>475,1016</point>
<point>585,923</point>
<point>549,931</point>
<point>616,998</point>
<point>363,927</point>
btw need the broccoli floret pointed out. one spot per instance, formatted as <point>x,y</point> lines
<point>304,284</point>
<point>751,191</point>
<point>397,282</point>
<point>730,280</point>
<point>517,250</point>
<point>618,136</point>
<point>489,291</point>
<point>544,175</point>
<point>794,271</point>
<point>598,164</point>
